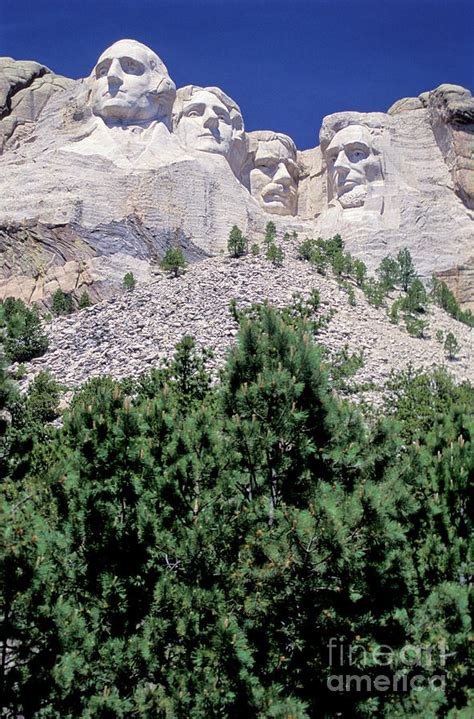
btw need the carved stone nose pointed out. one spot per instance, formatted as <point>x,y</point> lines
<point>342,164</point>
<point>282,175</point>
<point>210,119</point>
<point>115,73</point>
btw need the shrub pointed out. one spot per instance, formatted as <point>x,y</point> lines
<point>43,397</point>
<point>439,336</point>
<point>129,282</point>
<point>275,254</point>
<point>237,243</point>
<point>444,298</point>
<point>374,291</point>
<point>255,249</point>
<point>84,300</point>
<point>62,303</point>
<point>416,297</point>
<point>307,248</point>
<point>270,233</point>
<point>451,346</point>
<point>415,327</point>
<point>24,337</point>
<point>359,270</point>
<point>394,312</point>
<point>174,261</point>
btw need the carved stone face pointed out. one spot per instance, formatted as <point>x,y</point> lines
<point>274,178</point>
<point>130,83</point>
<point>205,124</point>
<point>352,165</point>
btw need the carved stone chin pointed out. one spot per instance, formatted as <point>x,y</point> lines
<point>353,198</point>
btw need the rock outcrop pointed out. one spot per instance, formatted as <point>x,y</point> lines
<point>100,176</point>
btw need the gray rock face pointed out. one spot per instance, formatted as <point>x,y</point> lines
<point>25,88</point>
<point>100,176</point>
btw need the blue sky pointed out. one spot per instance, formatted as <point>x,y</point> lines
<point>288,64</point>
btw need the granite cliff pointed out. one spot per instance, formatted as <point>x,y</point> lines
<point>100,176</point>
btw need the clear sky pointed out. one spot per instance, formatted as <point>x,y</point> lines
<point>288,63</point>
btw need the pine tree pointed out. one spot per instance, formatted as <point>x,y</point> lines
<point>129,282</point>
<point>451,346</point>
<point>84,300</point>
<point>24,337</point>
<point>237,244</point>
<point>389,272</point>
<point>62,303</point>
<point>174,261</point>
<point>270,233</point>
<point>407,268</point>
<point>275,254</point>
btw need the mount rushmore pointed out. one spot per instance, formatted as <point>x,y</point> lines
<point>100,176</point>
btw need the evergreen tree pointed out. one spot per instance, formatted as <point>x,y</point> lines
<point>24,337</point>
<point>129,282</point>
<point>270,233</point>
<point>84,300</point>
<point>62,303</point>
<point>389,272</point>
<point>360,272</point>
<point>407,268</point>
<point>451,346</point>
<point>416,298</point>
<point>275,254</point>
<point>174,261</point>
<point>237,243</point>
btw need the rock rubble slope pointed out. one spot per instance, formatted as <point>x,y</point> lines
<point>131,333</point>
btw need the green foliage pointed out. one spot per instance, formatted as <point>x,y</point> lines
<point>347,287</point>
<point>415,326</point>
<point>43,398</point>
<point>342,366</point>
<point>188,547</point>
<point>394,312</point>
<point>286,237</point>
<point>374,291</point>
<point>270,233</point>
<point>84,300</point>
<point>407,272</point>
<point>440,336</point>
<point>174,261</point>
<point>129,282</point>
<point>418,399</point>
<point>237,244</point>
<point>451,346</point>
<point>389,272</point>
<point>444,298</point>
<point>62,303</point>
<point>416,298</point>
<point>359,270</point>
<point>24,338</point>
<point>255,249</point>
<point>275,254</point>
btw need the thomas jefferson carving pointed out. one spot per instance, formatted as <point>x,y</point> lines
<point>207,120</point>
